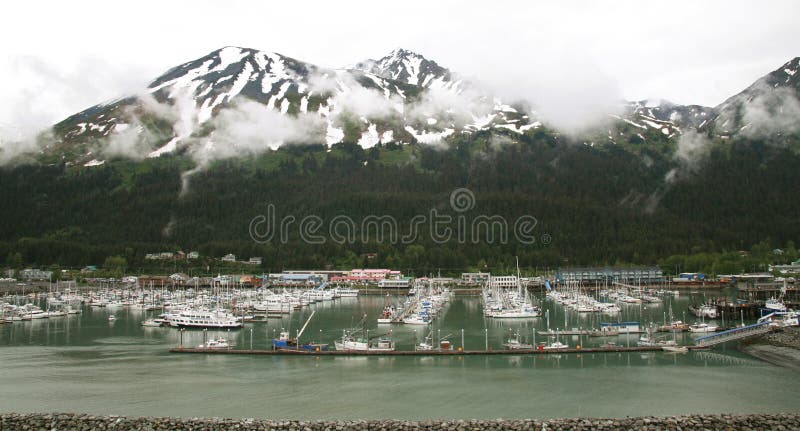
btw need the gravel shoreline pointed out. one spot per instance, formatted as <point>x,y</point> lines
<point>778,348</point>
<point>81,422</point>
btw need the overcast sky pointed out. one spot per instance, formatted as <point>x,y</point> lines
<point>61,57</point>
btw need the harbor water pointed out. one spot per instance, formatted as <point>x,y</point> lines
<point>85,363</point>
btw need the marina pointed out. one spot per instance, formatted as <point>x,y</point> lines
<point>550,364</point>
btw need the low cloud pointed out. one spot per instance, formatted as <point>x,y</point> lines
<point>693,147</point>
<point>251,128</point>
<point>449,107</point>
<point>774,110</point>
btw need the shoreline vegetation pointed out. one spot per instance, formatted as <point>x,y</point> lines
<point>72,421</point>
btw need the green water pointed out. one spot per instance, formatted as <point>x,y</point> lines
<point>86,364</point>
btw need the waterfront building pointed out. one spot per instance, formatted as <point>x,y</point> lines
<point>400,283</point>
<point>793,268</point>
<point>475,277</point>
<point>652,274</point>
<point>504,281</point>
<point>35,274</point>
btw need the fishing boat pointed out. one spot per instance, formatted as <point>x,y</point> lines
<point>358,340</point>
<point>349,342</point>
<point>387,314</point>
<point>424,346</point>
<point>704,310</point>
<point>775,304</point>
<point>285,342</point>
<point>514,343</point>
<point>555,345</point>
<point>674,326</point>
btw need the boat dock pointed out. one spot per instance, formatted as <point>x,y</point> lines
<point>286,352</point>
<point>737,333</point>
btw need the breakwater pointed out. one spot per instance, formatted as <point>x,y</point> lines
<point>68,422</point>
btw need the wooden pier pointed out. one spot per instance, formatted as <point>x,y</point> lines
<point>286,352</point>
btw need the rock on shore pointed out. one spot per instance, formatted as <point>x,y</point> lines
<point>85,422</point>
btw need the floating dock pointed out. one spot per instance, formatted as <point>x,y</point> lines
<point>286,352</point>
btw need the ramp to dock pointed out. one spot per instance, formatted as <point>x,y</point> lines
<point>733,334</point>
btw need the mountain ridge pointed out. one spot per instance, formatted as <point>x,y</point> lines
<point>401,98</point>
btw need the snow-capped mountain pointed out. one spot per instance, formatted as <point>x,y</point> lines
<point>401,98</point>
<point>236,101</point>
<point>412,68</point>
<point>769,104</point>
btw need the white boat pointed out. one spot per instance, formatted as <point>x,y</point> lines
<point>348,343</point>
<point>219,343</point>
<point>515,344</point>
<point>705,311</point>
<point>153,323</point>
<point>56,313</point>
<point>346,292</point>
<point>782,318</point>
<point>204,319</point>
<point>775,305</point>
<point>425,345</point>
<point>112,318</point>
<point>387,315</point>
<point>675,349</point>
<point>417,319</point>
<point>556,345</point>
<point>702,327</point>
<point>523,312</point>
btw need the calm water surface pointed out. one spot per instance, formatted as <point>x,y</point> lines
<point>86,364</point>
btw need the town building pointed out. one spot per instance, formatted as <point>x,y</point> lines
<point>475,277</point>
<point>229,258</point>
<point>35,274</point>
<point>651,274</point>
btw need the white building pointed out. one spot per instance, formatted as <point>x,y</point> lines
<point>400,283</point>
<point>230,257</point>
<point>36,274</point>
<point>504,281</point>
<point>475,277</point>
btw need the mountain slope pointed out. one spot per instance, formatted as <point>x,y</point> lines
<point>181,109</point>
<point>407,66</point>
<point>768,106</point>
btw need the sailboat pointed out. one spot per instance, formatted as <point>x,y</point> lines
<point>505,306</point>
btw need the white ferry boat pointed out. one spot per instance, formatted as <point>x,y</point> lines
<point>204,319</point>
